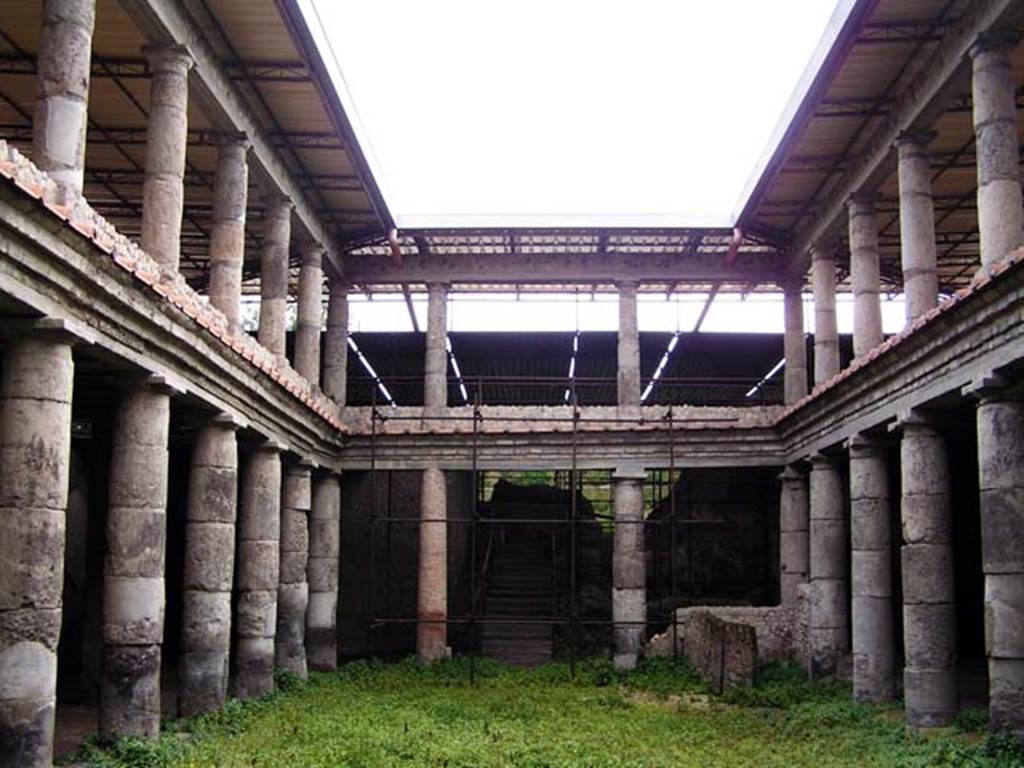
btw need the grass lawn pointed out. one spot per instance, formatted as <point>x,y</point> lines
<point>403,715</point>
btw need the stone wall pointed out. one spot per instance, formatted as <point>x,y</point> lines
<point>781,631</point>
<point>724,653</point>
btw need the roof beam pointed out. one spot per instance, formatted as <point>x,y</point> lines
<point>917,105</point>
<point>136,136</point>
<point>136,68</point>
<point>167,21</point>
<point>579,268</point>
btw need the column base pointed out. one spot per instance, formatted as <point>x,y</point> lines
<point>203,682</point>
<point>931,697</point>
<point>130,694</point>
<point>254,667</point>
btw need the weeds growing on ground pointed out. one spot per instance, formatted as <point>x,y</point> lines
<point>371,714</point>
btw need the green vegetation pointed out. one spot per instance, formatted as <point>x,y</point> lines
<point>372,715</point>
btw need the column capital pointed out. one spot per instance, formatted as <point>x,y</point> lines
<point>629,472</point>
<point>52,328</point>
<point>823,249</point>
<point>990,387</point>
<point>862,203</point>
<point>791,474</point>
<point>174,59</point>
<point>312,254</point>
<point>994,40</point>
<point>307,463</point>
<point>165,385</point>
<point>627,285</point>
<point>822,461</point>
<point>271,200</point>
<point>914,139</point>
<point>437,286</point>
<point>272,445</point>
<point>338,287</point>
<point>914,418</point>
<point>232,139</point>
<point>229,421</point>
<point>864,445</point>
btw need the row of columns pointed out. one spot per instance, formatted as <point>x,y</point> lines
<point>287,545</point>
<point>851,564</point>
<point>58,147</point>
<point>1000,225</point>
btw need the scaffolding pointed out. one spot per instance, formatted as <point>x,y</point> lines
<point>659,486</point>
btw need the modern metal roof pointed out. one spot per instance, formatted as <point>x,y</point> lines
<point>872,50</point>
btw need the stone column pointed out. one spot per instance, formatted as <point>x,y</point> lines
<point>277,227</point>
<point>628,352</point>
<point>874,652</point>
<point>929,611</point>
<point>227,238</point>
<point>1000,214</point>
<point>293,589</point>
<point>1001,474</point>
<point>435,362</point>
<point>432,586</point>
<point>62,94</point>
<point>867,307</point>
<point>307,334</point>
<point>917,224</point>
<point>259,565</point>
<point>794,554</point>
<point>209,568</point>
<point>829,623</point>
<point>324,549</point>
<point>133,574</point>
<point>336,344</point>
<point>35,453</point>
<point>163,192</point>
<point>629,568</point>
<point>826,333</point>
<point>795,344</point>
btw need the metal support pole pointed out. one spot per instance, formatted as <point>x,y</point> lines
<point>573,606</point>
<point>672,532</point>
<point>373,522</point>
<point>472,540</point>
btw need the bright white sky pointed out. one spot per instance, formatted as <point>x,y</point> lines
<point>569,112</point>
<point>515,112</point>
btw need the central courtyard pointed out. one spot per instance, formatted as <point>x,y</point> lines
<point>371,714</point>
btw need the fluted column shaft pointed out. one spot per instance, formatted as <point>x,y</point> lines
<point>35,453</point>
<point>794,539</point>
<point>62,94</point>
<point>307,334</point>
<point>209,569</point>
<point>336,344</point>
<point>994,91</point>
<point>628,388</point>
<point>133,572</point>
<point>324,550</point>
<point>293,589</point>
<point>1001,472</point>
<point>227,237</point>
<point>795,345</point>
<point>917,225</point>
<point>929,610</point>
<point>277,228</point>
<point>259,565</point>
<point>826,332</point>
<point>864,275</point>
<point>830,586</point>
<point>163,192</point>
<point>874,652</point>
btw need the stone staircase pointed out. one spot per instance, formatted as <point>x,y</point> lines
<point>518,585</point>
